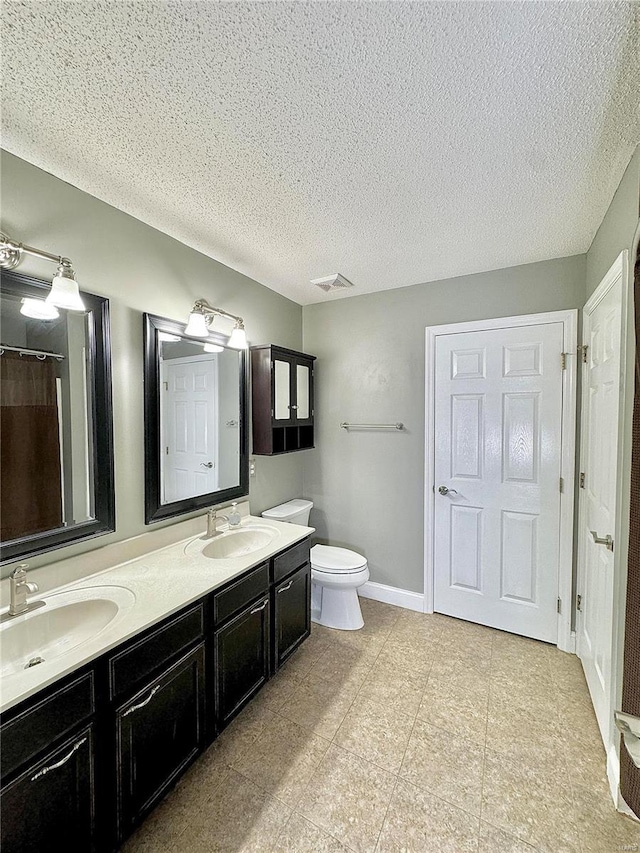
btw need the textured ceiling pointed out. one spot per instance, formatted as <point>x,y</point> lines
<point>393,142</point>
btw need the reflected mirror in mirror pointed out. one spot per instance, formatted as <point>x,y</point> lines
<point>54,391</point>
<point>196,442</point>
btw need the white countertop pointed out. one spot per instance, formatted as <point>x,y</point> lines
<point>163,582</point>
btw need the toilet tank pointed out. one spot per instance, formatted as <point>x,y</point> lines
<point>295,512</point>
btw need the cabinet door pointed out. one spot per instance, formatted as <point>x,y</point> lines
<point>158,732</point>
<point>292,606</point>
<point>284,373</point>
<point>304,391</point>
<point>52,803</point>
<point>241,660</point>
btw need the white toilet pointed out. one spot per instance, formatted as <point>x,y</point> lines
<point>336,574</point>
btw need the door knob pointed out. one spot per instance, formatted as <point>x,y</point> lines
<point>607,541</point>
<point>207,464</point>
<point>445,491</point>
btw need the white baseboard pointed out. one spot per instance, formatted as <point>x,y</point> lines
<point>613,773</point>
<point>393,595</point>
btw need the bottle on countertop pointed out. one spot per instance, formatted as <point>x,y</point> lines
<point>234,515</point>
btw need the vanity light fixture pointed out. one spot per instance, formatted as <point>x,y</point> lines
<point>201,318</point>
<point>64,291</point>
<point>167,337</point>
<point>212,348</point>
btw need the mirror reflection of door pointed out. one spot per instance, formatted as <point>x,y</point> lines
<point>190,461</point>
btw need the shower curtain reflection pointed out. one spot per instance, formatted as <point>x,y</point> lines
<point>31,483</point>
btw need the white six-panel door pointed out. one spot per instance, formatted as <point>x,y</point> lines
<point>189,427</point>
<point>602,335</point>
<point>497,465</point>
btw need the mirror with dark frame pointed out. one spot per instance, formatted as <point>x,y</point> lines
<point>56,465</point>
<point>195,405</point>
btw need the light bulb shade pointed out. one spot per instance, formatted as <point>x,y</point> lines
<point>167,337</point>
<point>213,348</point>
<point>238,338</point>
<point>39,309</point>
<point>64,291</point>
<point>197,325</point>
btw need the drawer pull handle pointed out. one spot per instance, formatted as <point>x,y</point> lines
<point>285,588</point>
<point>258,609</point>
<point>62,761</point>
<point>142,704</point>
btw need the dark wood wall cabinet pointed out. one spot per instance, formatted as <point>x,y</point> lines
<point>282,400</point>
<point>87,759</point>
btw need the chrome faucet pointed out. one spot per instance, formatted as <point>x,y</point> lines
<point>19,589</point>
<point>212,523</point>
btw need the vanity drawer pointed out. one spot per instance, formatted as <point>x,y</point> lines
<point>233,599</point>
<point>41,725</point>
<point>291,559</point>
<point>133,665</point>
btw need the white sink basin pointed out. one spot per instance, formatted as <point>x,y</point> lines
<point>66,620</point>
<point>234,543</point>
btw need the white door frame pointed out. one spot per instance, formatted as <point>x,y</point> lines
<point>619,270</point>
<point>566,638</point>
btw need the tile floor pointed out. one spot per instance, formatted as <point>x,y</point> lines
<point>419,733</point>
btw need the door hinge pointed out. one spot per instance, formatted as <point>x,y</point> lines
<point>582,479</point>
<point>578,602</point>
<point>582,352</point>
<point>166,386</point>
<point>561,485</point>
<point>559,605</point>
<point>563,361</point>
<point>166,450</point>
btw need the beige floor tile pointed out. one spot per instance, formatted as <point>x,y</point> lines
<point>375,732</point>
<point>494,840</point>
<point>164,827</point>
<point>456,708</point>
<point>301,836</point>
<point>304,658</point>
<point>241,817</point>
<point>393,687</point>
<point>239,736</point>
<point>602,828</point>
<point>319,706</point>
<point>445,765</point>
<point>283,759</point>
<point>348,797</point>
<point>277,691</point>
<point>401,651</point>
<point>533,807</point>
<point>418,822</point>
<point>421,626</point>
<point>528,734</point>
<point>525,694</point>
<point>379,616</point>
<point>471,672</point>
<point>344,666</point>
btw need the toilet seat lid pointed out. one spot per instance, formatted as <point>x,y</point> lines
<point>330,559</point>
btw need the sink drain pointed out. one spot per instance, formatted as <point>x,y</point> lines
<point>33,662</point>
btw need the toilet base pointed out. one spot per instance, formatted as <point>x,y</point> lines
<point>336,608</point>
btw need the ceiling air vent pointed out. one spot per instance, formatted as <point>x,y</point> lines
<point>331,282</point>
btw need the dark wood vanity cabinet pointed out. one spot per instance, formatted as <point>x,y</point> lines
<point>282,400</point>
<point>241,654</point>
<point>48,771</point>
<point>84,761</point>
<point>157,691</point>
<point>291,614</point>
<point>159,731</point>
<point>52,802</point>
